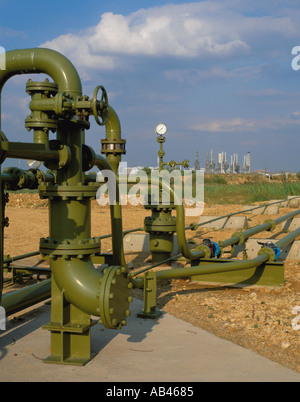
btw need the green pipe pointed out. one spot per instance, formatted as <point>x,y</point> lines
<point>156,265</point>
<point>288,239</point>
<point>24,150</point>
<point>80,283</point>
<point>286,217</point>
<point>113,135</point>
<point>241,237</point>
<point>23,298</point>
<point>20,257</point>
<point>39,60</point>
<point>264,255</point>
<point>180,219</point>
<point>77,278</point>
<point>213,268</point>
<point>123,233</point>
<point>116,217</point>
<point>196,225</point>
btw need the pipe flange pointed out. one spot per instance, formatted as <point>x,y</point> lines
<point>21,179</point>
<point>156,225</point>
<point>69,248</point>
<point>241,237</point>
<point>113,147</point>
<point>114,297</point>
<point>88,157</point>
<point>206,250</point>
<point>45,87</point>
<point>40,123</point>
<point>267,250</point>
<point>66,192</point>
<point>273,224</point>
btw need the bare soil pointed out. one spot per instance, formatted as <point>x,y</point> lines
<point>259,319</point>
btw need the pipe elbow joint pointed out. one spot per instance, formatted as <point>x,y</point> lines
<point>105,295</point>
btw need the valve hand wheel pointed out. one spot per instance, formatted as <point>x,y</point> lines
<point>100,108</point>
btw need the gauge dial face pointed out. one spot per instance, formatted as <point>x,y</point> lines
<point>161,129</point>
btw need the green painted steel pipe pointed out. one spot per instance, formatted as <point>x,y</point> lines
<point>23,298</point>
<point>194,226</point>
<point>264,255</point>
<point>180,218</point>
<point>80,283</point>
<point>23,150</point>
<point>116,216</point>
<point>286,240</point>
<point>20,257</point>
<point>40,60</point>
<point>213,268</point>
<point>241,237</point>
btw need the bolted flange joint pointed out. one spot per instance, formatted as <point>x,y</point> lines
<point>114,297</point>
<point>52,249</point>
<point>267,250</point>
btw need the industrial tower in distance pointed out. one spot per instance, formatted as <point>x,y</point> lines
<point>223,166</point>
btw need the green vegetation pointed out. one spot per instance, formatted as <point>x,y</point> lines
<point>249,190</point>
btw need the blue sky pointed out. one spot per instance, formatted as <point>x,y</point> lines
<point>217,72</point>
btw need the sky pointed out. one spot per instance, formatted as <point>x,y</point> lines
<point>218,73</point>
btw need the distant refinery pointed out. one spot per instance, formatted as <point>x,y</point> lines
<point>222,166</point>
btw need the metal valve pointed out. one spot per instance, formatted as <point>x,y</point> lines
<point>100,108</point>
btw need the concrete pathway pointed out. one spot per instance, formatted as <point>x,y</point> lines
<point>168,350</point>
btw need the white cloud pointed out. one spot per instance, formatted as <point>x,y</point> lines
<point>202,30</point>
<point>188,30</point>
<point>227,125</point>
<point>240,125</point>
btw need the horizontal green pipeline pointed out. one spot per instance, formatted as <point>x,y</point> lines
<point>213,268</point>
<point>20,257</point>
<point>263,256</point>
<point>241,237</point>
<point>286,240</point>
<point>24,150</point>
<point>26,297</point>
<point>196,225</point>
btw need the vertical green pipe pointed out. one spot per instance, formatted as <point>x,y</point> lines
<point>116,217</point>
<point>180,220</point>
<point>113,133</point>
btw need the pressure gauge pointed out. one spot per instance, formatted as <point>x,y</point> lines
<point>161,129</point>
<point>33,164</point>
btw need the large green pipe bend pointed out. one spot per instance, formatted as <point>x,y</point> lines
<point>40,60</point>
